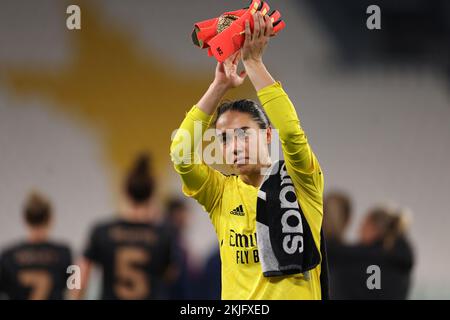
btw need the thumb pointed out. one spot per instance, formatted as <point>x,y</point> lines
<point>243,75</point>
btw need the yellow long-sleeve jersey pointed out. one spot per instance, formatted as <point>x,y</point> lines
<point>231,203</point>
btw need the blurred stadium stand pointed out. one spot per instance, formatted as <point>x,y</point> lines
<point>413,33</point>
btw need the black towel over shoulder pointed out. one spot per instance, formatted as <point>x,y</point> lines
<point>285,242</point>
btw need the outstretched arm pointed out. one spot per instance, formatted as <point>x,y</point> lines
<point>253,49</point>
<point>199,180</point>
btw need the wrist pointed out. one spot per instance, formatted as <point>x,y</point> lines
<point>252,63</point>
<point>220,88</point>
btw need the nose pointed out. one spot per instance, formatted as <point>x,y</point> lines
<point>238,146</point>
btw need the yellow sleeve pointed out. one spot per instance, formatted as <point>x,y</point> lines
<point>200,181</point>
<point>301,162</point>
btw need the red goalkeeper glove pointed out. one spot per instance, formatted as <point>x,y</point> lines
<point>224,36</point>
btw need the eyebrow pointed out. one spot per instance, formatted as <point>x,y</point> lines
<point>241,128</point>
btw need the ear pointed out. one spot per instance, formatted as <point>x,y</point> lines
<point>269,135</point>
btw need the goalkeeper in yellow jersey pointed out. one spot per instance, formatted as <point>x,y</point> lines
<point>231,201</point>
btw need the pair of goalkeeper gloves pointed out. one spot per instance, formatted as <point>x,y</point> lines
<point>224,35</point>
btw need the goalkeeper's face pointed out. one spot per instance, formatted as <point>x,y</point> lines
<point>245,145</point>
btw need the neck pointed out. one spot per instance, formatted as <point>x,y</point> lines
<point>37,235</point>
<point>140,213</point>
<point>136,214</point>
<point>254,179</point>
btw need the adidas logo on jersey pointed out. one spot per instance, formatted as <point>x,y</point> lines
<point>239,211</point>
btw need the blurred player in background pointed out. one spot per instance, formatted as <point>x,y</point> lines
<point>382,243</point>
<point>337,208</point>
<point>336,220</point>
<point>134,250</point>
<point>185,285</point>
<point>383,234</point>
<point>35,268</point>
<point>191,282</point>
<point>211,276</point>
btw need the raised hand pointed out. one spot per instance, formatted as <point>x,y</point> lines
<point>226,72</point>
<point>256,42</point>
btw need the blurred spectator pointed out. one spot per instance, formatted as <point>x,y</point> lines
<point>177,219</point>
<point>382,243</point>
<point>212,276</point>
<point>337,217</point>
<point>135,251</point>
<point>36,268</point>
<point>383,234</point>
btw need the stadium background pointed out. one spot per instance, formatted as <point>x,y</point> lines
<point>76,107</point>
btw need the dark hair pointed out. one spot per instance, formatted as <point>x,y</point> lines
<point>344,203</point>
<point>392,224</point>
<point>245,106</point>
<point>174,205</point>
<point>139,185</point>
<point>37,210</point>
<point>336,217</point>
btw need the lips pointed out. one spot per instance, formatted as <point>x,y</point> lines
<point>241,160</point>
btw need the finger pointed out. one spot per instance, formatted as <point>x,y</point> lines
<point>265,25</point>
<point>269,26</point>
<point>243,74</point>
<point>237,57</point>
<point>248,33</point>
<point>256,27</point>
<point>226,62</point>
<point>262,25</point>
<point>219,67</point>
<point>228,67</point>
<point>224,68</point>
